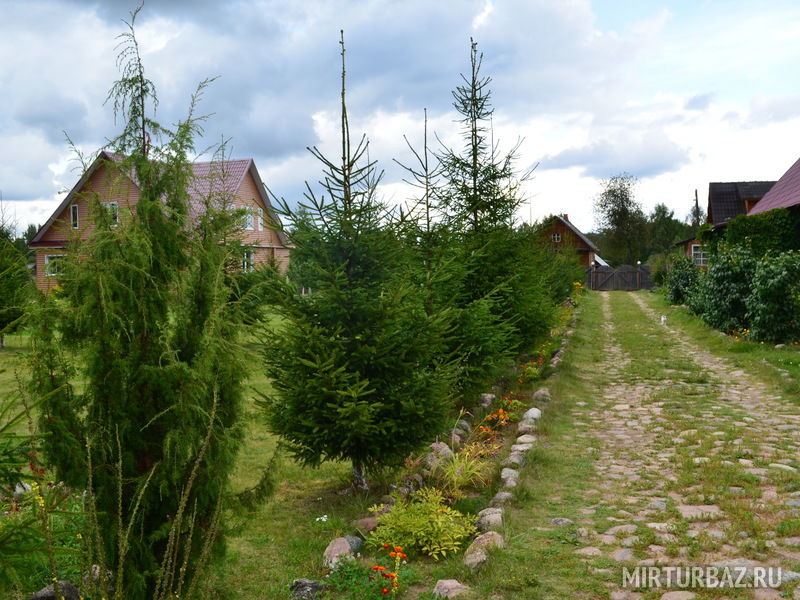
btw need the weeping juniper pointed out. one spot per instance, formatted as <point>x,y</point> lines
<point>143,315</point>
<point>357,365</point>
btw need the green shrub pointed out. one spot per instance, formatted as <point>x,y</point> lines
<point>772,231</point>
<point>464,470</point>
<point>774,303</point>
<point>722,291</point>
<point>681,280</point>
<point>424,523</point>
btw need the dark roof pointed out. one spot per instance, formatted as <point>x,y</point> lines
<point>726,200</point>
<point>783,194</point>
<point>216,178</point>
<point>578,232</point>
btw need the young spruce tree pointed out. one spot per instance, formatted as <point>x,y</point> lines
<point>143,314</point>
<point>356,365</point>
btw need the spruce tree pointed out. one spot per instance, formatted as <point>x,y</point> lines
<point>480,196</point>
<point>356,365</point>
<point>15,284</point>
<point>143,314</point>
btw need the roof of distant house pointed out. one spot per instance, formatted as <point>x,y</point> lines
<point>577,232</point>
<point>727,200</point>
<point>785,193</point>
<point>220,178</point>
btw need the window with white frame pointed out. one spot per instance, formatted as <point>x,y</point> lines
<point>699,255</point>
<point>248,219</point>
<point>53,265</point>
<point>261,224</point>
<point>248,261</point>
<point>73,216</point>
<point>113,211</point>
<point>556,237</point>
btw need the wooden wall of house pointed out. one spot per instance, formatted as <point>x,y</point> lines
<point>568,240</point>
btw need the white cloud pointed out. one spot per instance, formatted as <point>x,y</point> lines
<point>481,18</point>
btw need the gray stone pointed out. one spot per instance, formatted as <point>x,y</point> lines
<point>487,399</point>
<point>356,543</point>
<point>622,554</point>
<point>560,521</point>
<point>67,590</point>
<point>658,505</point>
<point>490,539</point>
<point>475,559</point>
<point>782,467</point>
<point>526,427</point>
<point>336,550</point>
<point>629,528</point>
<point>449,588</point>
<point>792,502</point>
<point>306,589</point>
<point>680,595</point>
<point>589,551</point>
<point>526,439</point>
<point>532,414</point>
<point>20,490</point>
<point>367,524</point>
<point>515,459</point>
<point>521,447</point>
<point>542,394</point>
<point>501,498</point>
<point>490,519</point>
<point>440,452</point>
<point>509,474</point>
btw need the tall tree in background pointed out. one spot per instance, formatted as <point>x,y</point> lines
<point>664,230</point>
<point>479,198</point>
<point>357,365</point>
<point>621,219</point>
<point>143,313</point>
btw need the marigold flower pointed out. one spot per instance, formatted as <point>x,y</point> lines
<point>392,554</point>
<point>378,568</point>
<point>385,591</point>
<point>385,546</point>
<point>398,548</point>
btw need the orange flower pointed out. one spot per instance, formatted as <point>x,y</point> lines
<point>378,568</point>
<point>392,554</point>
<point>385,591</point>
<point>386,545</point>
<point>398,548</point>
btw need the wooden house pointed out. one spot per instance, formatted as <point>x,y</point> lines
<point>561,234</point>
<point>784,194</point>
<point>234,184</point>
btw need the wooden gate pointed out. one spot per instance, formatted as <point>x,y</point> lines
<point>625,278</point>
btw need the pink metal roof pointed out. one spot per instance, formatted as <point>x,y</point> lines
<point>785,193</point>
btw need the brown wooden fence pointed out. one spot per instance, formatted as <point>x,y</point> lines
<point>625,278</point>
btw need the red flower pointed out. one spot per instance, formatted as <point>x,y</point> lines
<point>378,568</point>
<point>385,591</point>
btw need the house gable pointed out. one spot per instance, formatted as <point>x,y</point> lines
<point>784,194</point>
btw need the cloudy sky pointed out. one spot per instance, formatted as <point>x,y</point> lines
<point>678,93</point>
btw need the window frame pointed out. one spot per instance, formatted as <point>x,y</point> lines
<point>113,209</point>
<point>74,216</point>
<point>699,255</point>
<point>555,237</point>
<point>48,260</point>
<point>248,260</point>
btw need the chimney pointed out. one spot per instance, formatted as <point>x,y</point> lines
<point>565,216</point>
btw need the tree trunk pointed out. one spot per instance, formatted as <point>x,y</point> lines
<point>359,476</point>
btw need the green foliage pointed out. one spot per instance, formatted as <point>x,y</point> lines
<point>773,304</point>
<point>15,285</point>
<point>788,528</point>
<point>357,365</point>
<point>143,313</point>
<point>772,231</point>
<point>425,523</point>
<point>681,280</point>
<point>621,220</point>
<point>464,470</point>
<point>664,230</point>
<point>721,292</point>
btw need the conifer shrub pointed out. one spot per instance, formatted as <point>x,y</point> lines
<point>358,365</point>
<point>143,320</point>
<point>773,305</point>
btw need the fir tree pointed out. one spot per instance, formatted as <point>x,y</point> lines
<point>143,313</point>
<point>356,363</point>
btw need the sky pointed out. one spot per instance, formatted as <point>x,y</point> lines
<point>677,93</point>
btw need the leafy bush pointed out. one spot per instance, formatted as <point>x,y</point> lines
<point>721,292</point>
<point>772,231</point>
<point>424,523</point>
<point>681,280</point>
<point>774,303</point>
